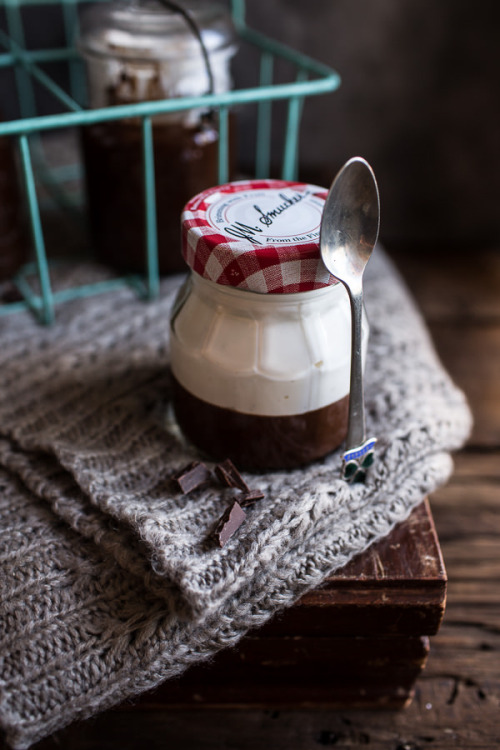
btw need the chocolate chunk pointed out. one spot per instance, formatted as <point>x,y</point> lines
<point>251,497</point>
<point>192,476</point>
<point>229,474</point>
<point>230,521</point>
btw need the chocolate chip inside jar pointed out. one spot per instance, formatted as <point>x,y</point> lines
<point>260,443</point>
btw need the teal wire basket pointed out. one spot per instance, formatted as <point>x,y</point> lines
<point>308,78</point>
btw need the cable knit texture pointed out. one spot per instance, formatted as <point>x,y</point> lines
<point>109,581</point>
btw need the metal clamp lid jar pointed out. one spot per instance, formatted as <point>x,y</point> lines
<point>260,332</point>
<point>146,50</point>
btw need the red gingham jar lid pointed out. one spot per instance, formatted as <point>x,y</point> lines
<point>260,235</point>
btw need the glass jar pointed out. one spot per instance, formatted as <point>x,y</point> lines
<point>260,331</point>
<point>139,50</point>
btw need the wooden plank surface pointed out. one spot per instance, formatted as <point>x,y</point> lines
<point>397,586</point>
<point>300,672</point>
<point>457,699</point>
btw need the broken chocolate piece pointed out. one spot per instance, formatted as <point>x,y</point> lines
<point>251,497</point>
<point>192,476</point>
<point>230,521</point>
<point>229,474</point>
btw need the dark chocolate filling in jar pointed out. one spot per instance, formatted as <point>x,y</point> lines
<point>185,160</point>
<point>259,443</point>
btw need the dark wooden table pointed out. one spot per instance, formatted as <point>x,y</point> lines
<point>457,698</point>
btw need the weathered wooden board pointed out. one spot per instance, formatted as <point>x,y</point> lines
<point>453,286</point>
<point>462,346</point>
<point>446,713</point>
<point>459,295</point>
<point>397,586</point>
<point>476,466</point>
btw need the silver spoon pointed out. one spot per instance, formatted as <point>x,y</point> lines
<point>349,231</point>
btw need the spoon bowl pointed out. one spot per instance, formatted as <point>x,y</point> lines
<point>349,231</point>
<point>351,220</point>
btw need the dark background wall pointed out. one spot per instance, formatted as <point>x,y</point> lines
<point>420,99</point>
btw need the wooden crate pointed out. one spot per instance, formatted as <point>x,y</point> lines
<point>358,641</point>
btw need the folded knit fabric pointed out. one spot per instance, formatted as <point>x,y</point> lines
<point>109,581</point>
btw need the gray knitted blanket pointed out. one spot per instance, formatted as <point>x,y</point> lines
<point>109,583</point>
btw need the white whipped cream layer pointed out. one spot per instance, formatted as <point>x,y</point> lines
<point>265,354</point>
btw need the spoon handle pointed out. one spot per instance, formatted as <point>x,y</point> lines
<point>359,451</point>
<point>356,422</point>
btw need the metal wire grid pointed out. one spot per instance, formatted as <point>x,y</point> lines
<point>310,78</point>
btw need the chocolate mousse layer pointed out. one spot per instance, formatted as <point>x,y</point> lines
<point>256,442</point>
<point>185,162</point>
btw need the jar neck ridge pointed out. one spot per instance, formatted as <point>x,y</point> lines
<point>235,298</point>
